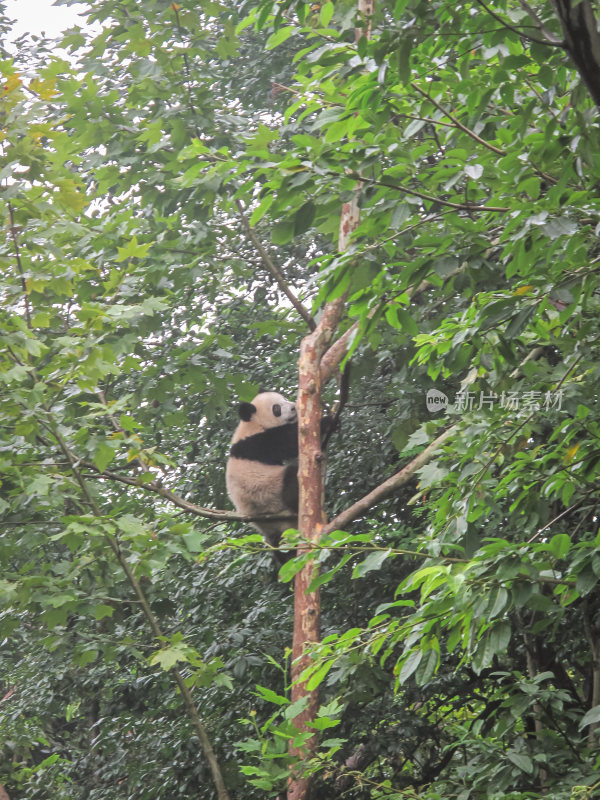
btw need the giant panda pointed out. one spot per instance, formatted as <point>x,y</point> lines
<point>259,476</point>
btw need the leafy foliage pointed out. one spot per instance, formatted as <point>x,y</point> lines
<point>152,177</point>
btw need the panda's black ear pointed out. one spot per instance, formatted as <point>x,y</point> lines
<point>246,410</point>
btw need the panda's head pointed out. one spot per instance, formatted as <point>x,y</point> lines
<point>267,410</point>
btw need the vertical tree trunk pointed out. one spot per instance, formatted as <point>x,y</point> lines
<point>311,516</point>
<point>582,40</point>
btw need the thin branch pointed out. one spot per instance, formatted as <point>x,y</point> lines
<point>13,233</point>
<point>389,486</point>
<point>274,269</point>
<point>533,354</point>
<point>559,516</point>
<point>533,671</point>
<point>188,72</point>
<point>504,442</point>
<point>177,500</point>
<point>336,353</point>
<point>188,700</point>
<point>421,223</point>
<point>549,36</point>
<point>340,347</point>
<point>551,42</point>
<point>430,120</point>
<point>458,124</point>
<point>432,198</point>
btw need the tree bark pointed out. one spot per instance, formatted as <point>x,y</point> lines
<point>582,40</point>
<point>311,519</point>
<point>311,516</point>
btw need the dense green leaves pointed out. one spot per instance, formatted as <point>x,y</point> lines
<point>161,186</point>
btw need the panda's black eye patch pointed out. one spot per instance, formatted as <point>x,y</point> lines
<point>276,410</point>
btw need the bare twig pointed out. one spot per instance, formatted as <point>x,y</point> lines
<point>191,508</point>
<point>551,41</point>
<point>188,72</point>
<point>274,269</point>
<point>403,188</point>
<point>532,669</point>
<point>457,122</point>
<point>340,347</point>
<point>548,35</point>
<point>389,486</point>
<point>559,516</point>
<point>13,233</point>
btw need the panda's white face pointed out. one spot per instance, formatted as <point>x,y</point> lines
<point>272,410</point>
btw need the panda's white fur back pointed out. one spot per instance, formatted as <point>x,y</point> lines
<point>255,486</point>
<point>256,489</point>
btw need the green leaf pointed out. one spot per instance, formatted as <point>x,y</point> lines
<point>262,208</point>
<point>338,130</point>
<point>270,696</point>
<point>399,7</point>
<point>403,59</point>
<point>520,322</point>
<point>427,667</point>
<point>590,718</point>
<point>559,545</point>
<point>586,580</point>
<point>327,10</point>
<point>410,665</point>
<point>317,677</point>
<point>495,642</point>
<point>103,456</point>
<point>372,562</point>
<point>88,657</point>
<point>304,217</point>
<point>195,541</point>
<point>522,761</point>
<point>133,250</point>
<point>497,602</point>
<point>283,232</point>
<point>401,319</point>
<point>101,610</point>
<point>279,37</point>
<point>288,570</point>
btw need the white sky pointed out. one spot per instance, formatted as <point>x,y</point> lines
<point>40,16</point>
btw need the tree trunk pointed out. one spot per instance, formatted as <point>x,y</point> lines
<point>582,40</point>
<point>311,516</point>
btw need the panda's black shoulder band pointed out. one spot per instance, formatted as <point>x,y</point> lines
<point>274,446</point>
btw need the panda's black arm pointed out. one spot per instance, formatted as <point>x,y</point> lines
<point>329,424</point>
<point>273,446</point>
